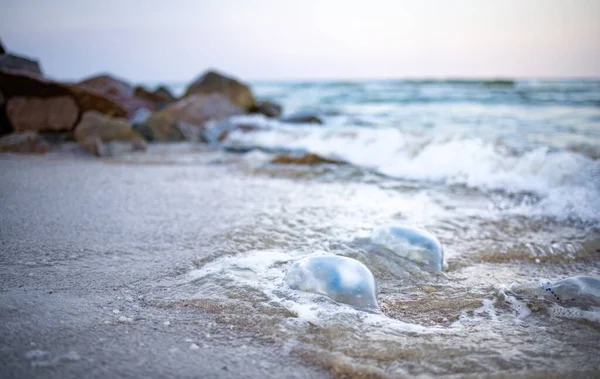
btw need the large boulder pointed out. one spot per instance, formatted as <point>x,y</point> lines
<point>158,98</point>
<point>18,63</point>
<point>14,83</point>
<point>267,108</point>
<point>58,113</point>
<point>199,108</point>
<point>25,143</point>
<point>118,91</point>
<point>95,129</point>
<point>238,93</point>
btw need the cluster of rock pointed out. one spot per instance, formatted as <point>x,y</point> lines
<point>103,109</point>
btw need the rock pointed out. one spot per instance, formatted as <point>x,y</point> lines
<point>411,243</point>
<point>108,85</point>
<point>59,113</point>
<point>343,279</point>
<point>158,98</point>
<point>306,159</point>
<point>267,108</point>
<point>200,108</point>
<point>14,84</point>
<point>25,143</point>
<point>160,127</point>
<point>164,93</point>
<point>302,118</point>
<point>20,64</point>
<point>118,91</point>
<point>95,130</point>
<point>2,49</point>
<point>213,82</point>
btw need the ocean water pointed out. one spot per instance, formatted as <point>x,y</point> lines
<point>506,174</point>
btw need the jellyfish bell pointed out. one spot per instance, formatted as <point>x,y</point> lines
<point>576,290</point>
<point>344,280</point>
<point>411,243</point>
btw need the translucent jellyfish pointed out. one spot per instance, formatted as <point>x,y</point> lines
<point>343,279</point>
<point>576,290</point>
<point>411,243</point>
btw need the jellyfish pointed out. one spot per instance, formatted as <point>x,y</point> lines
<point>576,290</point>
<point>411,243</point>
<point>343,279</point>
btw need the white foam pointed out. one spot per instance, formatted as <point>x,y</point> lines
<point>568,182</point>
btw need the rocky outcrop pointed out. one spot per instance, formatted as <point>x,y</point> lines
<point>199,108</point>
<point>118,91</point>
<point>267,108</point>
<point>2,49</point>
<point>25,143</point>
<point>213,82</point>
<point>95,129</point>
<point>14,83</point>
<point>302,118</point>
<point>158,98</point>
<point>306,159</point>
<point>58,113</point>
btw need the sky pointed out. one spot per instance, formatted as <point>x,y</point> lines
<point>175,40</point>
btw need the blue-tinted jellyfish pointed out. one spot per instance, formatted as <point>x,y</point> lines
<point>343,279</point>
<point>411,243</point>
<point>581,291</point>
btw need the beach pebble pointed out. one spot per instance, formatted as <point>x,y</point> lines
<point>412,243</point>
<point>343,279</point>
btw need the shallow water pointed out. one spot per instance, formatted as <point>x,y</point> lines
<point>497,171</point>
<point>463,321</point>
<point>505,173</point>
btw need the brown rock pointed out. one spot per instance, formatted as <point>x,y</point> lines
<point>108,85</point>
<point>21,64</point>
<point>267,108</point>
<point>25,143</point>
<point>14,83</point>
<point>94,124</point>
<point>57,113</point>
<point>307,159</point>
<point>164,94</point>
<point>118,91</point>
<point>158,98</point>
<point>239,93</point>
<point>160,127</point>
<point>199,108</point>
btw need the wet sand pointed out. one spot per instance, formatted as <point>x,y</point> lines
<point>81,240</point>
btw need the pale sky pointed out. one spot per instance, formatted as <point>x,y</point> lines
<point>165,40</point>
